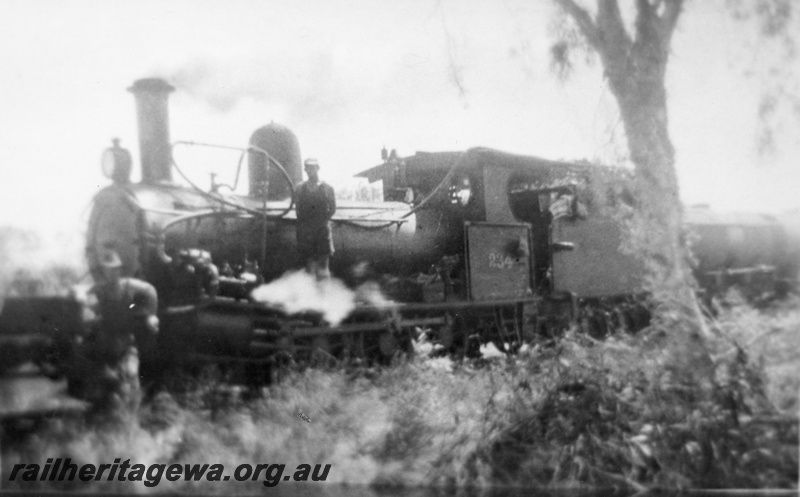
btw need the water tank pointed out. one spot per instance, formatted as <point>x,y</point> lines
<point>283,147</point>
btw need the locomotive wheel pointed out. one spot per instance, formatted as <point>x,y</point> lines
<point>322,350</point>
<point>393,342</point>
<point>388,344</point>
<point>321,343</point>
<point>584,325</point>
<point>640,316</point>
<point>451,334</point>
<point>286,343</point>
<point>472,346</point>
<point>257,375</point>
<point>354,346</point>
<point>626,324</point>
<point>446,333</point>
<point>508,348</point>
<point>463,344</point>
<point>380,346</point>
<point>593,323</point>
<point>599,325</point>
<point>378,343</point>
<point>549,329</point>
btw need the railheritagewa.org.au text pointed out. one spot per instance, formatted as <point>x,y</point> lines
<point>59,469</point>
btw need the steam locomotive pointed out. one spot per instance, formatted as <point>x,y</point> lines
<point>479,247</point>
<point>475,247</point>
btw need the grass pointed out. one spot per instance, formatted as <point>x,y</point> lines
<point>578,415</point>
<point>770,340</point>
<point>627,413</point>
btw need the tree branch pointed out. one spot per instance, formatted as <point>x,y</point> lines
<point>609,21</point>
<point>646,18</point>
<point>584,21</point>
<point>649,39</point>
<point>655,23</point>
<point>615,45</point>
<point>669,19</point>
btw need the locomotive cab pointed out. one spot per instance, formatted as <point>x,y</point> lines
<point>539,208</point>
<point>523,230</point>
<point>573,249</point>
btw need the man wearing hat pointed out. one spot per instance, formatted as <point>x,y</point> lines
<point>315,202</point>
<point>127,308</point>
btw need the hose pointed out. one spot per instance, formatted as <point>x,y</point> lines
<point>441,186</point>
<point>228,203</point>
<point>348,222</point>
<point>445,182</point>
<point>197,215</point>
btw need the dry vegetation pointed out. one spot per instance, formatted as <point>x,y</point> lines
<point>581,414</point>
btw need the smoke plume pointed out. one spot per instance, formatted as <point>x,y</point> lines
<point>311,90</point>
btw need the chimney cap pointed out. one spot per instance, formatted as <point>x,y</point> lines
<point>152,85</point>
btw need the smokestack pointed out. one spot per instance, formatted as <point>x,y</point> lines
<point>153,116</point>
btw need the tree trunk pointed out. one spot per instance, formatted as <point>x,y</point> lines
<point>635,67</point>
<point>657,229</point>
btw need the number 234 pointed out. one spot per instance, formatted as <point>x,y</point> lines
<point>500,261</point>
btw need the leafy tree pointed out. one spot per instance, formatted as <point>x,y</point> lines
<point>635,58</point>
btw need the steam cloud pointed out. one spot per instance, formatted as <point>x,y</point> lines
<point>299,291</point>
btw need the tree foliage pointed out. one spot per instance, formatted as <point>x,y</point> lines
<point>634,52</point>
<point>769,30</point>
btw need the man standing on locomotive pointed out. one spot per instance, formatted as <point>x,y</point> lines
<point>316,203</point>
<point>127,309</point>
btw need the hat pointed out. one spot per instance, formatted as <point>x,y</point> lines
<point>110,260</point>
<point>311,162</point>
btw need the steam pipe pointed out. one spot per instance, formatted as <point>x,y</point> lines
<point>152,112</point>
<point>250,148</point>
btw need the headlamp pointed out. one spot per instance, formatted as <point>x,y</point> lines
<point>116,163</point>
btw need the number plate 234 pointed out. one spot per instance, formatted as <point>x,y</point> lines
<point>500,261</point>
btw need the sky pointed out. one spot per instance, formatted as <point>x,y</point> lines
<point>350,77</point>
